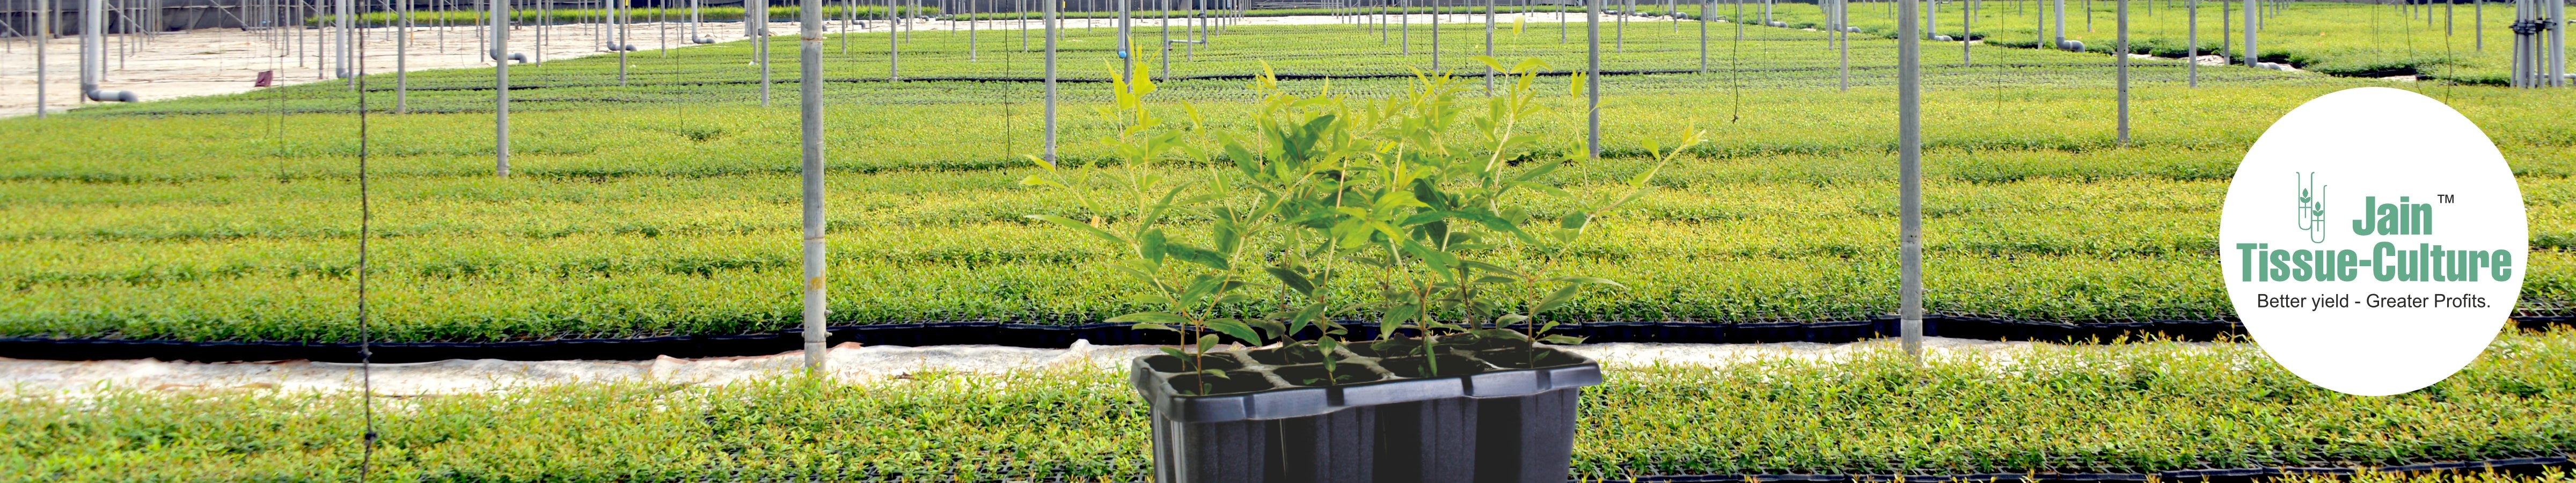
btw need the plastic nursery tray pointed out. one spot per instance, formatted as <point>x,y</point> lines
<point>1488,424</point>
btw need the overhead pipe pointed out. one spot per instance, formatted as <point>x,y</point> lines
<point>94,55</point>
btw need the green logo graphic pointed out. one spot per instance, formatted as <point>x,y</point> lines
<point>2312,206</point>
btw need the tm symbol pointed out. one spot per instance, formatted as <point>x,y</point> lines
<point>2448,198</point>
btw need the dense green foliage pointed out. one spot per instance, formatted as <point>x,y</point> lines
<point>2134,408</point>
<point>686,77</point>
<point>668,208</point>
<point>2348,39</point>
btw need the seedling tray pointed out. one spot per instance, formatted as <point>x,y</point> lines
<point>1496,413</point>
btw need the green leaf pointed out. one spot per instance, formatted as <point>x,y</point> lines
<point>1559,298</point>
<point>1398,316</point>
<point>1175,353</point>
<point>1499,333</point>
<point>1561,339</point>
<point>1591,280</point>
<point>1312,314</point>
<point>1273,328</point>
<point>1207,341</point>
<point>1440,262</point>
<point>1490,268</point>
<point>1151,318</point>
<point>1201,256</point>
<point>1292,279</point>
<point>1151,245</point>
<point>1152,326</point>
<point>1575,220</point>
<point>1236,328</point>
<point>1039,180</point>
<point>1224,236</point>
<point>1080,226</point>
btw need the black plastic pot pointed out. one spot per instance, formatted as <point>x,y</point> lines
<point>1502,414</point>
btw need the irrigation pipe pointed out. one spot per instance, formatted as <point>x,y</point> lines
<point>94,55</point>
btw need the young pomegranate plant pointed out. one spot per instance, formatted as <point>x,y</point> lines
<point>1400,210</point>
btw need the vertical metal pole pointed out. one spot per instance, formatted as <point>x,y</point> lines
<point>340,63</point>
<point>760,41</point>
<point>1489,47</point>
<point>1435,36</point>
<point>1842,30</point>
<point>402,57</point>
<point>809,19</point>
<point>894,45</point>
<point>2192,16</point>
<point>1909,114</point>
<point>2251,57</point>
<point>1406,38</point>
<point>1706,6</point>
<point>2123,57</point>
<point>1126,42</point>
<point>2557,43</point>
<point>1967,29</point>
<point>44,36</point>
<point>619,12</point>
<point>1931,19</point>
<point>2061,24</point>
<point>1592,75</point>
<point>501,86</point>
<point>1166,50</point>
<point>1049,24</point>
<point>93,48</point>
<point>2478,9</point>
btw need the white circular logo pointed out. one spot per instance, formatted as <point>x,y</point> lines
<point>2373,241</point>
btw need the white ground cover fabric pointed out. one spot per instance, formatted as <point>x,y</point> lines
<point>848,362</point>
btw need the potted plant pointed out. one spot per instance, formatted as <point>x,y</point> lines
<point>1406,214</point>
